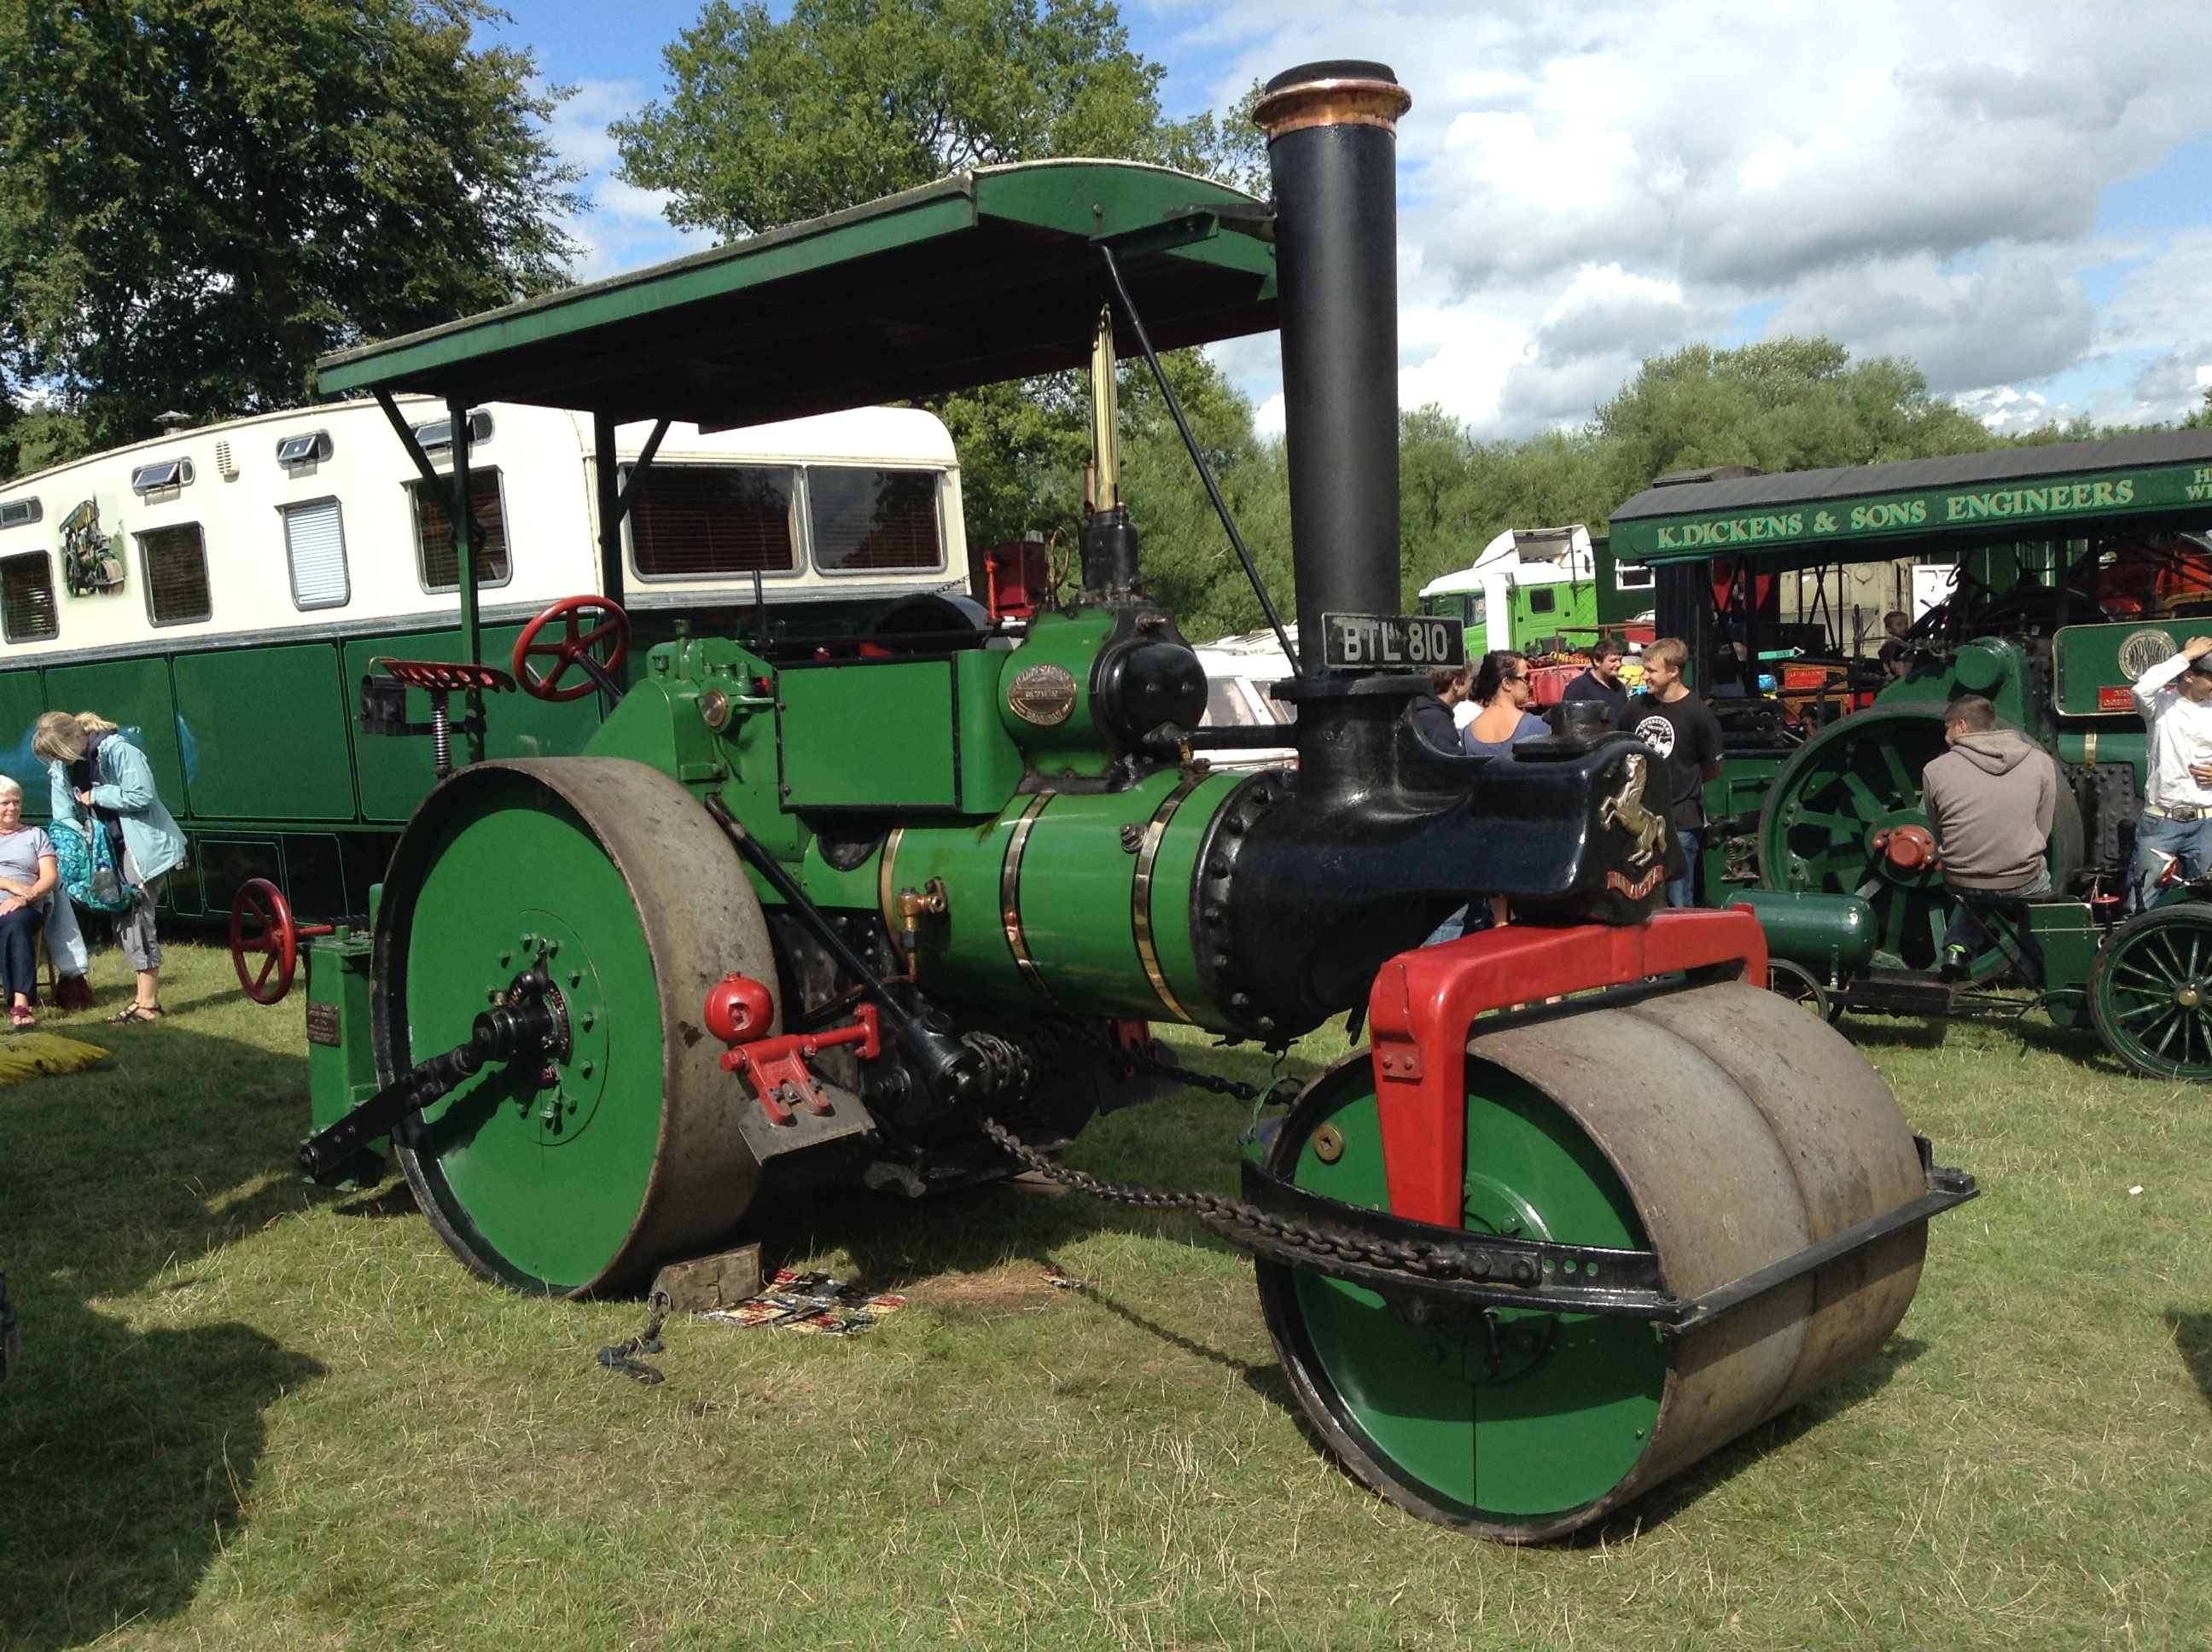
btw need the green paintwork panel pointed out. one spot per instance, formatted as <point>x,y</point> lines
<point>2088,678</point>
<point>341,1075</point>
<point>990,763</point>
<point>395,771</point>
<point>965,954</point>
<point>2069,935</point>
<point>2108,747</point>
<point>22,700</point>
<point>510,1149</point>
<point>876,735</point>
<point>252,766</point>
<point>1073,746</point>
<point>134,693</point>
<point>1996,667</point>
<point>1849,526</point>
<point>1566,1416</point>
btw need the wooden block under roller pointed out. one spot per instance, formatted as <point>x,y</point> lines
<point>706,1283</point>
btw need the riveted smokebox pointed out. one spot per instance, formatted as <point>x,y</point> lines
<point>1331,142</point>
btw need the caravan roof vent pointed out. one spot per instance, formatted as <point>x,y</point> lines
<point>438,437</point>
<point>162,475</point>
<point>304,452</point>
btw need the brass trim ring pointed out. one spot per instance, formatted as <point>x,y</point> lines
<point>887,891</point>
<point>1332,103</point>
<point>1140,895</point>
<point>1010,897</point>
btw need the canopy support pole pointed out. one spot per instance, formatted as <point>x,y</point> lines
<point>463,514</point>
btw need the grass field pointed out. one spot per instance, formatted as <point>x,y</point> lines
<point>249,1414</point>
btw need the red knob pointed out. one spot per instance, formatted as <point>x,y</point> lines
<point>739,1010</point>
<point>1910,847</point>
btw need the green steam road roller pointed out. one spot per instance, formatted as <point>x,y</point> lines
<point>888,906</point>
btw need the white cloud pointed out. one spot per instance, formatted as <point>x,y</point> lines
<point>1582,187</point>
<point>622,227</point>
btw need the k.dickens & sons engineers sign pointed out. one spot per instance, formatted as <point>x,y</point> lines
<point>1911,514</point>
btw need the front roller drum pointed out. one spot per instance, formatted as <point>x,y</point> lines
<point>1719,1127</point>
<point>585,1170</point>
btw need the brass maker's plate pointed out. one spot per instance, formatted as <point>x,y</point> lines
<point>1044,695</point>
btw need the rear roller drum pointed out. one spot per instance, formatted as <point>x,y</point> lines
<point>621,1149</point>
<point>1721,1127</point>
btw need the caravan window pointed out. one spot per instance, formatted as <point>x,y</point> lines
<point>434,533</point>
<point>694,521</point>
<point>865,520</point>
<point>27,598</point>
<point>20,513</point>
<point>314,544</point>
<point>176,560</point>
<point>1632,576</point>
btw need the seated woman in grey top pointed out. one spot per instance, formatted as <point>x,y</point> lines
<point>1502,687</point>
<point>29,869</point>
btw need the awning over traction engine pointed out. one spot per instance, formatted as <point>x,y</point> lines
<point>1921,506</point>
<point>990,275</point>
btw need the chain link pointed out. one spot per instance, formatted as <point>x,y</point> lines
<point>1235,1219</point>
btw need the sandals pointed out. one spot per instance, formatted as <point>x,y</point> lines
<point>133,1015</point>
<point>22,1016</point>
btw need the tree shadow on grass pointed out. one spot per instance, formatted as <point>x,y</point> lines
<point>2192,1339</point>
<point>128,1454</point>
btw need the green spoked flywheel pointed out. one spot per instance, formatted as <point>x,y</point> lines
<point>2150,993</point>
<point>586,1171</point>
<point>1829,813</point>
<point>1719,1127</point>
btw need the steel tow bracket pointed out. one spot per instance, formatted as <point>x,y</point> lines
<point>1494,1271</point>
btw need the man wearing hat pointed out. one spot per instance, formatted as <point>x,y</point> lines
<point>2175,831</point>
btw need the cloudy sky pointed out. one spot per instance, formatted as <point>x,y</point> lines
<point>2017,196</point>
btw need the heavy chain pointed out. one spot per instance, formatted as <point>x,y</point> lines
<point>622,1356</point>
<point>1237,1220</point>
<point>1134,1061</point>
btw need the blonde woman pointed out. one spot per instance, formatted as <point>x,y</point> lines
<point>102,783</point>
<point>29,869</point>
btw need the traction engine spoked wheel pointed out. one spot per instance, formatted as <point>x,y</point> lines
<point>1521,1425</point>
<point>2150,993</point>
<point>1843,817</point>
<point>582,633</point>
<point>583,1172</point>
<point>261,927</point>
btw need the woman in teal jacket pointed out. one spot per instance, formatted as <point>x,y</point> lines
<point>101,781</point>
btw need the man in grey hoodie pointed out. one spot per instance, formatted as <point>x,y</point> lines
<point>1989,800</point>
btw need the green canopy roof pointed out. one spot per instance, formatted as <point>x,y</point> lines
<point>990,275</point>
<point>1922,507</point>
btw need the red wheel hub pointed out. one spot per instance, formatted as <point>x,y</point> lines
<point>585,622</point>
<point>1908,848</point>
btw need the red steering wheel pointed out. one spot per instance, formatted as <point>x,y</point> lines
<point>261,927</point>
<point>571,648</point>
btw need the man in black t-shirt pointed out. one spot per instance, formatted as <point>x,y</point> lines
<point>1679,727</point>
<point>1602,681</point>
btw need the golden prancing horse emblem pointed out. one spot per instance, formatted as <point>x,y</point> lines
<point>1626,810</point>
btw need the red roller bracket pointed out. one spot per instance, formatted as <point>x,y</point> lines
<point>1423,1002</point>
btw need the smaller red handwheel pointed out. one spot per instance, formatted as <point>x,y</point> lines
<point>261,926</point>
<point>574,647</point>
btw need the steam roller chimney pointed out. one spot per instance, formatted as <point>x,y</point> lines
<point>1332,143</point>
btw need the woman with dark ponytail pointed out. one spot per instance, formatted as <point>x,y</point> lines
<point>1502,689</point>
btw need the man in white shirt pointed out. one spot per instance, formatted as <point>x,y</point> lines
<point>2175,699</point>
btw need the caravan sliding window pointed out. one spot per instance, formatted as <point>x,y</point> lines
<point>696,521</point>
<point>434,533</point>
<point>866,520</point>
<point>176,560</point>
<point>27,598</point>
<point>314,545</point>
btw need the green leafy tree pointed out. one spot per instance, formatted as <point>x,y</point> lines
<point>845,100</point>
<point>198,196</point>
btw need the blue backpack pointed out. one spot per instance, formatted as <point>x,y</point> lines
<point>89,872</point>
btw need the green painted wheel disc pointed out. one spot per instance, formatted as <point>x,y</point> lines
<point>552,1176</point>
<point>586,1170</point>
<point>1501,1421</point>
<point>2150,993</point>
